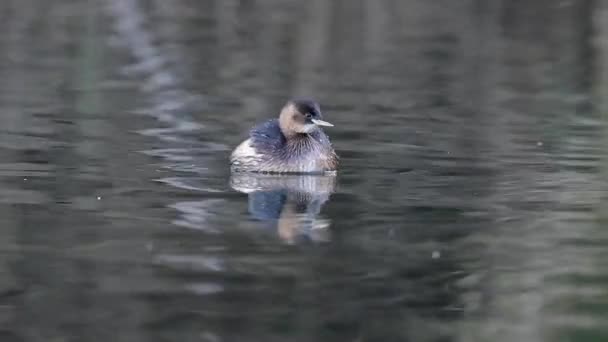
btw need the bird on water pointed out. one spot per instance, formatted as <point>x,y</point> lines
<point>293,143</point>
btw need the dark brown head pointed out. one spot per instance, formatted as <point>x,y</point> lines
<point>301,116</point>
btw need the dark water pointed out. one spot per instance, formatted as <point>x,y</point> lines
<point>469,205</point>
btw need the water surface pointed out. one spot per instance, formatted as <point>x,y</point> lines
<point>469,205</point>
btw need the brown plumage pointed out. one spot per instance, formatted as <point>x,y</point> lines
<point>294,143</point>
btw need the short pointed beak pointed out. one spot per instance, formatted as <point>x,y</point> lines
<point>321,123</point>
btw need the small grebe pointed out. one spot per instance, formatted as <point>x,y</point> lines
<point>293,143</point>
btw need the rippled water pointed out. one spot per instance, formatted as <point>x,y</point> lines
<point>469,205</point>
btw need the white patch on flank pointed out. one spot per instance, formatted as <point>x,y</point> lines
<point>245,150</point>
<point>245,157</point>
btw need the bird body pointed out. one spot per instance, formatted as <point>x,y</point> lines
<point>293,143</point>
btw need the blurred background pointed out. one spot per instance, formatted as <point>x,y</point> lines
<point>468,207</point>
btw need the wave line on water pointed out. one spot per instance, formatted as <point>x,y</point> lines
<point>169,101</point>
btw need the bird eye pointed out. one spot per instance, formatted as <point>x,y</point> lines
<point>308,115</point>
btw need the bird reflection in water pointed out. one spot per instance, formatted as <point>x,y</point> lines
<point>292,202</point>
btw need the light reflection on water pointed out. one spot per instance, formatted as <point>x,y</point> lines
<point>469,204</point>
